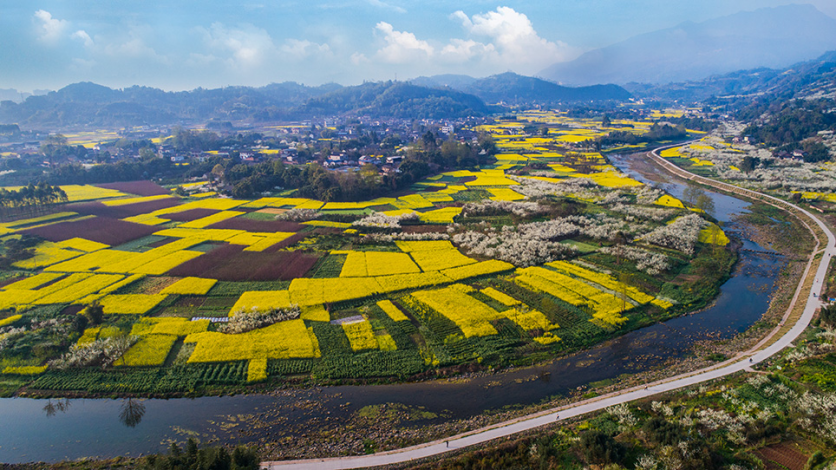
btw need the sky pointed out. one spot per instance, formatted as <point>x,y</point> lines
<point>182,45</point>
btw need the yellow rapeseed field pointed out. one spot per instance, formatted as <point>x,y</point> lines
<point>190,286</point>
<point>372,263</point>
<point>257,370</point>
<point>360,335</point>
<point>151,350</point>
<point>130,303</point>
<point>283,340</point>
<point>390,309</point>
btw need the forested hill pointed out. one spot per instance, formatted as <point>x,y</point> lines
<point>396,99</point>
<point>515,89</point>
<point>810,79</point>
<point>89,104</point>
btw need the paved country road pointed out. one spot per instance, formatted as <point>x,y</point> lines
<point>740,362</point>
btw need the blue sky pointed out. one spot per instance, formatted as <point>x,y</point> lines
<point>177,45</point>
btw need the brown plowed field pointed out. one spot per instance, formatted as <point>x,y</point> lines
<point>425,228</point>
<point>285,243</point>
<point>189,215</point>
<point>784,454</point>
<point>252,225</point>
<point>231,263</point>
<point>140,188</point>
<point>120,212</point>
<point>99,229</point>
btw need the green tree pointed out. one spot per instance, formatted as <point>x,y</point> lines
<point>600,448</point>
<point>705,203</point>
<point>54,147</point>
<point>95,313</point>
<point>828,315</point>
<point>748,164</point>
<point>691,193</point>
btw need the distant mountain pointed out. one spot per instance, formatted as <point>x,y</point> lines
<point>456,82</point>
<point>89,104</point>
<point>396,99</point>
<point>517,89</point>
<point>768,37</point>
<point>10,94</point>
<point>512,88</point>
<point>814,78</point>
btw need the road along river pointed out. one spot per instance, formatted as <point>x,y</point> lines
<point>760,352</point>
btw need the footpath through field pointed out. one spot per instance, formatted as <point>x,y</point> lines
<point>742,361</point>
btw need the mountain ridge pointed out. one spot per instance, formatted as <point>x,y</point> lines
<point>767,37</point>
<point>513,88</point>
<point>815,77</point>
<point>90,104</point>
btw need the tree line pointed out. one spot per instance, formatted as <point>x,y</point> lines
<point>29,200</point>
<point>792,125</point>
<point>657,132</point>
<point>429,155</point>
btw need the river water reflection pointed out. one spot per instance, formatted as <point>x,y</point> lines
<point>43,430</point>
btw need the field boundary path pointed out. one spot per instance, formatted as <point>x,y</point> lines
<point>766,348</point>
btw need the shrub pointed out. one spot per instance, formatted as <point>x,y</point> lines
<point>102,352</point>
<point>248,320</point>
<point>828,315</point>
<point>601,448</point>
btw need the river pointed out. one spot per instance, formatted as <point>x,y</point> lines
<point>44,430</point>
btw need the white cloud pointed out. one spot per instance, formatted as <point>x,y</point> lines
<point>82,65</point>
<point>382,4</point>
<point>359,59</point>
<point>49,29</point>
<point>496,41</point>
<point>133,47</point>
<point>401,47</point>
<point>246,46</point>
<point>460,50</point>
<point>82,36</point>
<point>200,60</point>
<point>512,40</point>
<point>300,49</point>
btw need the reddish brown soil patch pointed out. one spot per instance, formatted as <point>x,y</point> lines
<point>189,215</point>
<point>6,282</point>
<point>425,228</point>
<point>162,242</point>
<point>785,455</point>
<point>72,310</point>
<point>327,231</point>
<point>141,188</point>
<point>120,212</point>
<point>285,243</point>
<point>231,263</point>
<point>99,229</point>
<point>252,225</point>
<point>430,189</point>
<point>272,210</point>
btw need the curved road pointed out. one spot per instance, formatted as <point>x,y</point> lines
<point>740,362</point>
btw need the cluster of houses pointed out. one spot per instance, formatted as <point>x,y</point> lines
<point>327,141</point>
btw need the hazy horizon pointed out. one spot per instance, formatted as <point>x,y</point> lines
<point>188,45</point>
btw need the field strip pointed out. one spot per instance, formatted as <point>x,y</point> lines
<point>741,362</point>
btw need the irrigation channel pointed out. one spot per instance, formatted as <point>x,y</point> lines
<point>42,430</point>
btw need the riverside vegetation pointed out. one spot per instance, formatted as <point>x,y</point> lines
<point>779,416</point>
